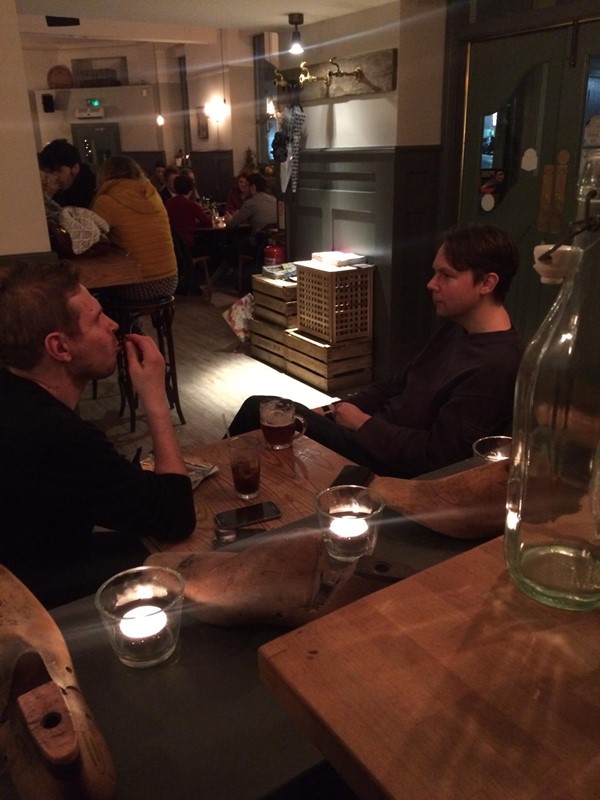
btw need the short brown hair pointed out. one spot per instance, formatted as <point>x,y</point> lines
<point>483,249</point>
<point>34,301</point>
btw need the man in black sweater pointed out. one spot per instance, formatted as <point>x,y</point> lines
<point>60,476</point>
<point>458,388</point>
<point>76,180</point>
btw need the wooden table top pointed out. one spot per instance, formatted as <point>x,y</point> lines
<point>291,478</point>
<point>450,685</point>
<point>110,269</point>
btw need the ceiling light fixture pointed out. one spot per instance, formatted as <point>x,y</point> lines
<point>296,48</point>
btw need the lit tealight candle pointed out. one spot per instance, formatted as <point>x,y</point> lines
<point>348,527</point>
<point>142,622</point>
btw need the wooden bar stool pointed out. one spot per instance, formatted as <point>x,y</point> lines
<point>161,311</point>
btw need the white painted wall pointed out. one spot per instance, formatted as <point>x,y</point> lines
<point>133,108</point>
<point>206,82</point>
<point>22,219</point>
<point>411,115</point>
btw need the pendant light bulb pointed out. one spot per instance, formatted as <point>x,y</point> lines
<point>296,48</point>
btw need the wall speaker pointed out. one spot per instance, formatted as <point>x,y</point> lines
<point>48,103</point>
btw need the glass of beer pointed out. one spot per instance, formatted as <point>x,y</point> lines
<point>244,452</point>
<point>278,422</point>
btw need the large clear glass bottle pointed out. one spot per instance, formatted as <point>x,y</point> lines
<point>552,538</point>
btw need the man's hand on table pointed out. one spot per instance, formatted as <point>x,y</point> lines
<point>349,416</point>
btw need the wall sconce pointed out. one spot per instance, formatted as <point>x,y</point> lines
<point>160,120</point>
<point>217,110</point>
<point>296,48</point>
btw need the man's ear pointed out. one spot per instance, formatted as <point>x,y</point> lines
<point>75,169</point>
<point>57,347</point>
<point>489,282</point>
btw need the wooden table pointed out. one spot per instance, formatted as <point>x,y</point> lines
<point>111,269</point>
<point>451,685</point>
<point>291,478</point>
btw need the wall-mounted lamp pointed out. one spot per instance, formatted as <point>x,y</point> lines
<point>218,110</point>
<point>160,120</point>
<point>296,48</point>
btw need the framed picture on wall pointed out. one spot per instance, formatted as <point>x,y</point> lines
<point>202,124</point>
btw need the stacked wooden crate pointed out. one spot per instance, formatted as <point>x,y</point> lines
<point>275,310</point>
<point>332,347</point>
<point>318,330</point>
<point>332,368</point>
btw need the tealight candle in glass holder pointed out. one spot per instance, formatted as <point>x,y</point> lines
<point>347,515</point>
<point>141,611</point>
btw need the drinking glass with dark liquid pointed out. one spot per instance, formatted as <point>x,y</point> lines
<point>279,422</point>
<point>244,452</point>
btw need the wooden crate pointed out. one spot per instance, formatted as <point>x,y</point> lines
<point>328,367</point>
<point>267,343</point>
<point>335,303</point>
<point>267,357</point>
<point>276,311</point>
<point>283,290</point>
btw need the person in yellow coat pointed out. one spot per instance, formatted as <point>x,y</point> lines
<point>139,224</point>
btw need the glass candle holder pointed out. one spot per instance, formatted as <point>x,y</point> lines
<point>347,515</point>
<point>141,611</point>
<point>493,448</point>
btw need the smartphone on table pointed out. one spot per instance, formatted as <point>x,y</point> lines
<point>353,475</point>
<point>247,515</point>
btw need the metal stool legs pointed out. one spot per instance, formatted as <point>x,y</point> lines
<point>161,312</point>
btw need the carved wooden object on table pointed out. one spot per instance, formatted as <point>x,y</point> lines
<point>50,746</point>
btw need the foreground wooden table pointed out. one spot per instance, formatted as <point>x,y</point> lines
<point>291,478</point>
<point>450,685</point>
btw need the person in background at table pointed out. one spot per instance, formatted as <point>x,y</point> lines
<point>458,388</point>
<point>189,173</point>
<point>239,193</point>
<point>59,475</point>
<point>168,190</point>
<point>76,181</point>
<point>185,215</point>
<point>259,210</point>
<point>157,179</point>
<point>139,224</point>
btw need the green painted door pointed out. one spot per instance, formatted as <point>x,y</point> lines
<point>529,98</point>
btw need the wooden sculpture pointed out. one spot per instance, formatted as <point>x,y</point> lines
<point>467,505</point>
<point>50,747</point>
<point>289,581</point>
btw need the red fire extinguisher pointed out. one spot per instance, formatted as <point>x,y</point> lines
<point>274,253</point>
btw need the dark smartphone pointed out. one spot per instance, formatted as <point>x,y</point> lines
<point>353,475</point>
<point>247,515</point>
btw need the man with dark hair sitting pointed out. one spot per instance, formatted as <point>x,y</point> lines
<point>76,180</point>
<point>458,388</point>
<point>60,476</point>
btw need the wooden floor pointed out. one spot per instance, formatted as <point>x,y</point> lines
<point>215,375</point>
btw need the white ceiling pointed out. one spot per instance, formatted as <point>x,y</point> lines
<point>168,20</point>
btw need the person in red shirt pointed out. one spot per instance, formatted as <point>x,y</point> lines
<point>185,215</point>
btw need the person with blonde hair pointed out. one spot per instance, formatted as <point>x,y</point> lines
<point>139,224</point>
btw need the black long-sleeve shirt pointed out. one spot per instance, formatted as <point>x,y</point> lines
<point>60,476</point>
<point>458,388</point>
